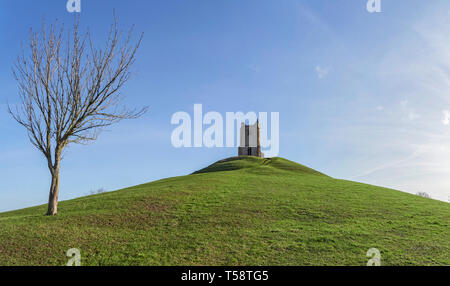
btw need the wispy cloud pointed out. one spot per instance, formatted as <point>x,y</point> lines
<point>322,72</point>
<point>254,68</point>
<point>409,113</point>
<point>385,166</point>
<point>446,118</point>
<point>410,145</point>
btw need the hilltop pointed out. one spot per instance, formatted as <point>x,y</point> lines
<point>238,211</point>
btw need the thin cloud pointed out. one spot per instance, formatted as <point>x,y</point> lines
<point>412,151</point>
<point>386,166</point>
<point>446,119</point>
<point>322,72</point>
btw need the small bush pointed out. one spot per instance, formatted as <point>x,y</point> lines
<point>424,195</point>
<point>99,191</point>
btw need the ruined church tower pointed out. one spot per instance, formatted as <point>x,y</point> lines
<point>250,144</point>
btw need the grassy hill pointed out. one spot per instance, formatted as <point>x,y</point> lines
<point>239,211</point>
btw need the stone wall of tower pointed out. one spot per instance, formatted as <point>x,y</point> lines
<point>250,144</point>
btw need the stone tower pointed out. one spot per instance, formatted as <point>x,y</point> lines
<point>250,144</point>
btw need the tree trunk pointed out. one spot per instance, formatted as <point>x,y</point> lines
<point>54,192</point>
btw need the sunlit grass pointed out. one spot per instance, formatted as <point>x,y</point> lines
<point>241,211</point>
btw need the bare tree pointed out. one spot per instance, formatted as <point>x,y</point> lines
<point>69,90</point>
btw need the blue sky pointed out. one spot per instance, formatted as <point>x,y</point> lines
<point>361,96</point>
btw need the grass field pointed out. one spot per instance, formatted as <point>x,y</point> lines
<point>239,211</point>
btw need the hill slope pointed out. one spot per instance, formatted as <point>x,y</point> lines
<point>239,211</point>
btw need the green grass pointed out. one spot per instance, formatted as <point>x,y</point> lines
<point>239,211</point>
